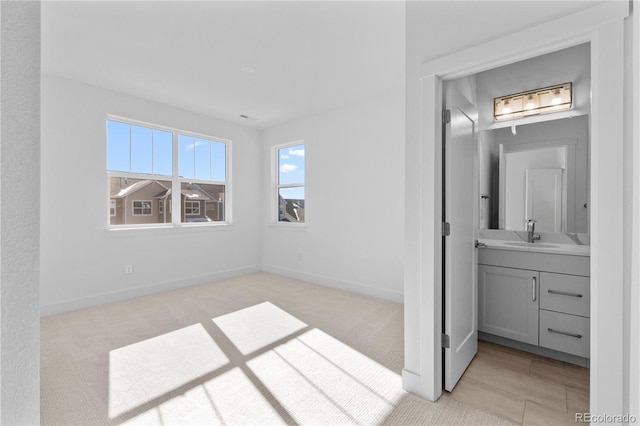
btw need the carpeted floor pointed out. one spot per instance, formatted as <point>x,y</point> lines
<point>257,349</point>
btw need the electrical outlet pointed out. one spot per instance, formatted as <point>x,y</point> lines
<point>128,269</point>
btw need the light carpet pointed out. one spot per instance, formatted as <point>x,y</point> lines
<point>259,349</point>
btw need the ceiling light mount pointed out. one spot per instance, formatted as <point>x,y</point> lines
<point>539,101</point>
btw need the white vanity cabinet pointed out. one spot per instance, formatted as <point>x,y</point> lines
<point>508,303</point>
<point>536,298</point>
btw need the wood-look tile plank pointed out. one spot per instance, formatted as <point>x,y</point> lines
<point>536,414</point>
<point>531,356</point>
<point>498,381</point>
<point>506,361</point>
<point>577,402</point>
<point>571,378</point>
<point>500,403</point>
<point>535,389</point>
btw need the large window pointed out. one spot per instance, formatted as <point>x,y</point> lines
<point>290,183</point>
<point>144,175</point>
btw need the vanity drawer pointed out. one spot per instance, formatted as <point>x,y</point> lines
<point>565,333</point>
<point>565,293</point>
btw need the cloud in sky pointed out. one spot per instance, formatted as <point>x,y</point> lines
<point>287,168</point>
<point>193,145</point>
<point>284,156</point>
<point>297,152</point>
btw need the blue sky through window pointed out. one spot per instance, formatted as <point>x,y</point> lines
<point>138,149</point>
<point>291,170</point>
<point>141,150</point>
<point>201,158</point>
<point>118,146</point>
<point>162,152</point>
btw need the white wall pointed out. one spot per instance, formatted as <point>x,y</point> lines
<point>19,218</point>
<point>82,262</point>
<point>353,236</point>
<point>567,65</point>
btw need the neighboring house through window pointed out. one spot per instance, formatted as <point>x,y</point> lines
<point>143,172</point>
<point>290,178</point>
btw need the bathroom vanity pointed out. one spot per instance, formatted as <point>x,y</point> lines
<point>535,296</point>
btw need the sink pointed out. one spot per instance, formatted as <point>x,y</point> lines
<point>523,244</point>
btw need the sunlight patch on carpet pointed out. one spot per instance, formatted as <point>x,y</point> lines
<point>144,371</point>
<point>258,326</point>
<point>320,380</point>
<point>230,398</point>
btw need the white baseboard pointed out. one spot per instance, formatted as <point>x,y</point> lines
<point>339,284</point>
<point>116,296</point>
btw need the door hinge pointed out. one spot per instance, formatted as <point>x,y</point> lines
<point>446,341</point>
<point>446,116</point>
<point>446,229</point>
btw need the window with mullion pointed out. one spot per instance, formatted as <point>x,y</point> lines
<point>140,165</point>
<point>290,178</point>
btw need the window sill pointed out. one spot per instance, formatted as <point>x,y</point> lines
<point>166,229</point>
<point>288,226</point>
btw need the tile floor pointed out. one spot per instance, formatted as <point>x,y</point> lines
<point>525,388</point>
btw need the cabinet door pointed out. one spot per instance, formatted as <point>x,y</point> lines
<point>508,303</point>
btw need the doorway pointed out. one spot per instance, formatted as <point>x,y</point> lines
<point>602,26</point>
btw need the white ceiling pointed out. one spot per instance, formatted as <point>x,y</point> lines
<point>307,57</point>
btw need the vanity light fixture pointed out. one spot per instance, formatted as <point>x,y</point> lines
<point>532,102</point>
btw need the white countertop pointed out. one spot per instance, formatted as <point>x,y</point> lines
<point>538,246</point>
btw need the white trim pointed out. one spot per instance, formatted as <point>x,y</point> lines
<point>634,303</point>
<point>549,37</point>
<point>136,122</point>
<point>602,26</point>
<point>174,179</point>
<point>276,185</point>
<point>116,296</point>
<point>607,207</point>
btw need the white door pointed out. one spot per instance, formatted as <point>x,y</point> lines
<point>461,212</point>
<point>544,199</point>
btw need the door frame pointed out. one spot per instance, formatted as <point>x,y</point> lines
<point>603,27</point>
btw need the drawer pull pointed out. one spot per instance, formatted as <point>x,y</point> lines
<point>533,289</point>
<point>564,333</point>
<point>564,293</point>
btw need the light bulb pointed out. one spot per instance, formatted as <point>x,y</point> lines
<point>530,103</point>
<point>557,98</point>
<point>505,108</point>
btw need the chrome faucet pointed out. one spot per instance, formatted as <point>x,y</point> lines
<point>531,226</point>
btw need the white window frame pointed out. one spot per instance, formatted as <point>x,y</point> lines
<point>133,208</point>
<point>192,204</point>
<point>275,179</point>
<point>174,180</point>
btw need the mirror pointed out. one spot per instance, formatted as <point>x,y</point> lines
<point>539,173</point>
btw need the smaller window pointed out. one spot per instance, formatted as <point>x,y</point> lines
<point>112,208</point>
<point>192,208</point>
<point>290,183</point>
<point>160,206</point>
<point>142,208</point>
